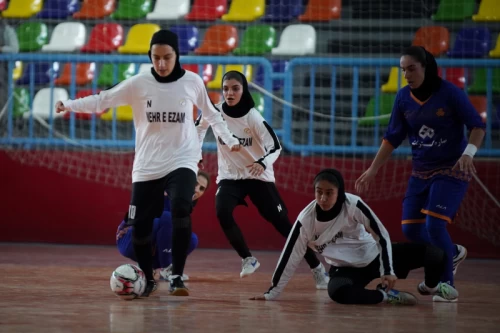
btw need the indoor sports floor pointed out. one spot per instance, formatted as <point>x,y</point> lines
<point>56,288</point>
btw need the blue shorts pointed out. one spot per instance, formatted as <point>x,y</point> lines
<point>439,196</point>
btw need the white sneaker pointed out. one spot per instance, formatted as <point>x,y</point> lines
<point>442,293</point>
<point>165,274</point>
<point>248,266</point>
<point>321,277</point>
<point>457,260</point>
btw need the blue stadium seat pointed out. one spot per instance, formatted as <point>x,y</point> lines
<point>279,66</point>
<point>471,43</point>
<point>188,37</point>
<point>43,72</point>
<point>282,11</point>
<point>58,9</point>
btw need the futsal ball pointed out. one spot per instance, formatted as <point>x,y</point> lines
<point>128,282</point>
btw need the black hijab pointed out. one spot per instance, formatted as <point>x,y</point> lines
<point>432,81</point>
<point>246,102</point>
<point>335,177</point>
<point>169,38</point>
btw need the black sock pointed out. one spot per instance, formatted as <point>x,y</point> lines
<point>181,237</point>
<point>235,238</point>
<point>144,255</point>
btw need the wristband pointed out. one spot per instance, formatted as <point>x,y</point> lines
<point>470,150</point>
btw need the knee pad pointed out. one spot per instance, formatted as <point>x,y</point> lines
<point>181,208</point>
<point>336,286</point>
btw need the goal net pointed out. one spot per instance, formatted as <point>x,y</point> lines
<point>334,79</point>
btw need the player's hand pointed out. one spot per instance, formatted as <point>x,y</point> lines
<point>388,281</point>
<point>200,165</point>
<point>236,147</point>
<point>60,107</point>
<point>256,169</point>
<point>258,298</point>
<point>363,182</point>
<point>465,164</point>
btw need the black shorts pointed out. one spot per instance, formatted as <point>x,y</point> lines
<point>147,199</point>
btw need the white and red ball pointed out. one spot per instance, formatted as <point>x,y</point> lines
<point>128,281</point>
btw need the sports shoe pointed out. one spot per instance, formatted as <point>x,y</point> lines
<point>398,297</point>
<point>442,293</point>
<point>248,266</point>
<point>151,287</point>
<point>320,277</point>
<point>457,260</point>
<point>177,287</point>
<point>166,272</point>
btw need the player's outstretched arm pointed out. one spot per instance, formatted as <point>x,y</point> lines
<point>269,140</point>
<point>120,94</point>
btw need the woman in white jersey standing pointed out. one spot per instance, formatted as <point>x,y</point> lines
<point>250,173</point>
<point>166,148</point>
<point>356,244</point>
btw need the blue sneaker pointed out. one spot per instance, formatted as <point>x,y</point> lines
<point>398,297</point>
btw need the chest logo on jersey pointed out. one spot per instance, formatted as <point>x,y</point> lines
<point>321,248</point>
<point>166,117</point>
<point>245,142</point>
<point>247,131</point>
<point>440,112</point>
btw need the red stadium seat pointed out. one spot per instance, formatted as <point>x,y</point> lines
<point>207,10</point>
<point>3,4</point>
<point>104,38</point>
<point>480,103</point>
<point>455,76</point>
<point>207,71</point>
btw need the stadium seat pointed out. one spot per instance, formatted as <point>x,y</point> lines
<point>123,113</point>
<point>132,9</point>
<point>66,37</point>
<point>169,10</point>
<point>22,8</point>
<point>188,37</point>
<point>84,74</point>
<point>219,39</point>
<point>216,83</point>
<point>321,10</point>
<point>207,71</point>
<point>282,11</point>
<point>456,76</point>
<point>479,82</point>
<point>145,68</point>
<point>215,97</point>
<point>138,38</point>
<point>104,38</point>
<point>43,72</point>
<point>257,40</point>
<point>386,102</point>
<point>495,53</point>
<point>58,9</point>
<point>435,39</point>
<point>289,41</point>
<point>259,101</point>
<point>489,10</point>
<point>245,10</point>
<point>32,36</point>
<point>95,9</point>
<point>392,83</point>
<point>207,10</point>
<point>18,70</point>
<point>84,115</point>
<point>106,76</point>
<point>471,43</point>
<point>3,4</point>
<point>455,10</point>
<point>279,66</point>
<point>480,103</point>
<point>21,102</point>
<point>43,104</point>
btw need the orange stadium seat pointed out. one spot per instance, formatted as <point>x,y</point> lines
<point>93,9</point>
<point>435,39</point>
<point>84,74</point>
<point>219,39</point>
<point>321,10</point>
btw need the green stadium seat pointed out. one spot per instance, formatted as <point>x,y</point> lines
<point>455,10</point>
<point>105,78</point>
<point>478,85</point>
<point>259,101</point>
<point>386,103</point>
<point>32,36</point>
<point>21,102</point>
<point>132,9</point>
<point>257,40</point>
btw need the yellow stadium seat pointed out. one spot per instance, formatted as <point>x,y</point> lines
<point>123,113</point>
<point>392,82</point>
<point>245,10</point>
<point>22,8</point>
<point>216,83</point>
<point>18,71</point>
<point>496,52</point>
<point>138,38</point>
<point>489,10</point>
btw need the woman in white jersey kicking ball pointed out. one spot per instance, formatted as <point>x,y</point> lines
<point>356,244</point>
<point>166,148</point>
<point>250,173</point>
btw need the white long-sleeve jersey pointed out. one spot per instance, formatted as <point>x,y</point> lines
<point>258,142</point>
<point>166,137</point>
<point>353,239</point>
